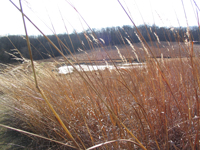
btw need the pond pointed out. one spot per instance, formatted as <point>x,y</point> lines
<point>69,69</point>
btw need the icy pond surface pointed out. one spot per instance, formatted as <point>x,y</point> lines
<point>69,69</point>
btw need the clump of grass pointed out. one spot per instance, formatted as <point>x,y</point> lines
<point>151,107</point>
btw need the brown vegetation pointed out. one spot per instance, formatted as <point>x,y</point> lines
<point>159,106</point>
<point>153,107</point>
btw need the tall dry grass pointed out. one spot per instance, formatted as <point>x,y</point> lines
<point>151,107</point>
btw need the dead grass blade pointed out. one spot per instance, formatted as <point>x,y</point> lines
<point>36,135</point>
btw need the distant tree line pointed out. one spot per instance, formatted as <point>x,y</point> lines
<point>42,49</point>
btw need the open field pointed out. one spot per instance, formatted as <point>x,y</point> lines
<point>97,56</point>
<point>167,49</point>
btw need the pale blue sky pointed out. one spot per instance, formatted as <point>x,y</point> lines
<point>97,13</point>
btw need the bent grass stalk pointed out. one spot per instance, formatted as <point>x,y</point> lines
<point>40,90</point>
<point>36,135</point>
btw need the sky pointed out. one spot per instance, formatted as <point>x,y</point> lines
<point>58,16</point>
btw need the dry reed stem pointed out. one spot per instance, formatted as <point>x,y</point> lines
<point>37,86</point>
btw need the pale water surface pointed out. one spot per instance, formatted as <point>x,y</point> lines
<point>70,69</point>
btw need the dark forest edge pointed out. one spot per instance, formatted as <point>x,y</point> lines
<point>42,49</point>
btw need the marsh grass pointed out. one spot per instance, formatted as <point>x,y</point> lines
<point>153,107</point>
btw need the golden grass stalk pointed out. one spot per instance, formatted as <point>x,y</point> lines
<point>39,89</point>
